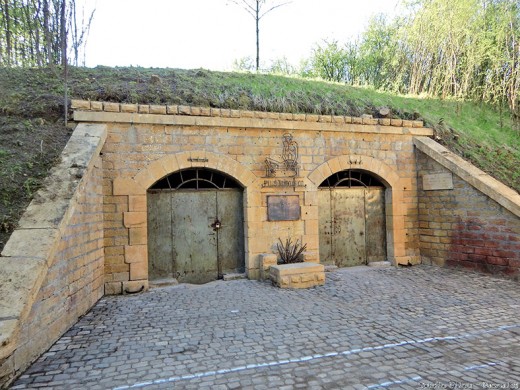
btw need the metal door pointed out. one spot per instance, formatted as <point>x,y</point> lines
<point>194,242</point>
<point>230,236</point>
<point>195,236</point>
<point>159,205</point>
<point>352,228</point>
<point>326,226</point>
<point>375,225</point>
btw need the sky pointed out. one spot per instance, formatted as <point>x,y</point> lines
<point>212,34</point>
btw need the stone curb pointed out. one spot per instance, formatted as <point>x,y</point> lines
<point>87,105</point>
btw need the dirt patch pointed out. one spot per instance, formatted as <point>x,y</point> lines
<point>28,149</point>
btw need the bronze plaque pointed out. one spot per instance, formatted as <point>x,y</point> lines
<point>283,208</point>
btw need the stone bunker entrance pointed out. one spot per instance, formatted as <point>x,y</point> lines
<point>352,219</point>
<point>194,193</point>
<point>195,226</point>
<point>149,191</point>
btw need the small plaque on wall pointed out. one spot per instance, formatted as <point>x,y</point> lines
<point>283,208</point>
<point>438,181</point>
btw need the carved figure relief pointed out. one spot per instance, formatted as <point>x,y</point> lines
<point>287,165</point>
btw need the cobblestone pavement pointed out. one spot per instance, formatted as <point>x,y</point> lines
<point>367,328</point>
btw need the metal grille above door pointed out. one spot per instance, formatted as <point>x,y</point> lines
<point>196,179</point>
<point>351,178</point>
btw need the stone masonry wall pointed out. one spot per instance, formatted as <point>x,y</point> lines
<point>70,209</point>
<point>74,282</point>
<point>146,143</point>
<point>463,227</point>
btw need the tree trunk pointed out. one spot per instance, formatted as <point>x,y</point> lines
<point>76,41</point>
<point>257,35</point>
<point>63,32</point>
<point>8,32</point>
<point>31,29</point>
<point>37,36</point>
<point>47,34</point>
<point>63,37</point>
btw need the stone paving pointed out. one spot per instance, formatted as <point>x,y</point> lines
<point>367,328</point>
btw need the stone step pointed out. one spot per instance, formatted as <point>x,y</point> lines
<point>380,264</point>
<point>234,276</point>
<point>330,268</point>
<point>163,282</point>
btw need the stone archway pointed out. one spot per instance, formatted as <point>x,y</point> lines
<point>135,219</point>
<point>395,233</point>
<point>158,169</point>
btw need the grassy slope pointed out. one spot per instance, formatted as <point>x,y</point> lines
<point>32,133</point>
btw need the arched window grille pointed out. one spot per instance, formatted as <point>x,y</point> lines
<point>196,179</point>
<point>351,178</point>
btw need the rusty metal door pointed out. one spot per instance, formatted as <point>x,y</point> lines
<point>230,235</point>
<point>375,225</point>
<point>352,227</point>
<point>195,236</point>
<point>159,205</point>
<point>194,242</point>
<point>348,209</point>
<point>326,226</point>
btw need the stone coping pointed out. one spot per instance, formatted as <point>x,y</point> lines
<point>499,192</point>
<point>92,111</point>
<point>29,251</point>
<point>297,268</point>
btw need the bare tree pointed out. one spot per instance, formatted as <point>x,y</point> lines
<point>47,33</point>
<point>258,9</point>
<point>8,32</point>
<point>42,32</point>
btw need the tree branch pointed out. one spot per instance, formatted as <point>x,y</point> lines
<point>245,5</point>
<point>273,8</point>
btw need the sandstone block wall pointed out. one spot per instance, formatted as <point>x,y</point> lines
<point>51,270</point>
<point>141,148</point>
<point>463,226</point>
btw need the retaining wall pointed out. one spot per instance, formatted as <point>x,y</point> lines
<point>51,269</point>
<point>472,222</point>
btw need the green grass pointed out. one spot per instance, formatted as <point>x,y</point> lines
<point>475,131</point>
<point>32,132</point>
<point>31,98</point>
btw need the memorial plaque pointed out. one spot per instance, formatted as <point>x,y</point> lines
<point>283,208</point>
<point>438,181</point>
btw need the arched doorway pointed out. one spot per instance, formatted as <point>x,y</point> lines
<point>195,226</point>
<point>352,219</point>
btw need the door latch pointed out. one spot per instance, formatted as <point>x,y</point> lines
<point>216,225</point>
